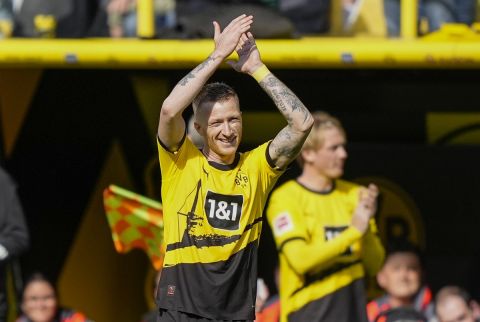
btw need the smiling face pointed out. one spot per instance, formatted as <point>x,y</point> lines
<point>39,301</point>
<point>220,125</point>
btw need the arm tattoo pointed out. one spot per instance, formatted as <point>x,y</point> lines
<point>288,142</point>
<point>282,96</point>
<point>184,81</point>
<point>282,145</point>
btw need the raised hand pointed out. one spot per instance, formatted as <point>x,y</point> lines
<point>249,58</point>
<point>227,40</point>
<point>119,6</point>
<point>366,208</point>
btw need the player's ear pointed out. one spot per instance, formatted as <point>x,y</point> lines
<point>197,127</point>
<point>308,155</point>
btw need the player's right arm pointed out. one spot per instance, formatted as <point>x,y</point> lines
<point>171,126</point>
<point>307,257</point>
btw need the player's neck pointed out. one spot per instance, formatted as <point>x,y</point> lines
<point>220,159</point>
<point>315,181</point>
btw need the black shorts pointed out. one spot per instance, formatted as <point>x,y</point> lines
<point>177,316</point>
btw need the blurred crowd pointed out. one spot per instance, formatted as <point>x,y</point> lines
<point>187,18</point>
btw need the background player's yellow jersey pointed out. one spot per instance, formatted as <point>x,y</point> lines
<point>213,220</point>
<point>334,287</point>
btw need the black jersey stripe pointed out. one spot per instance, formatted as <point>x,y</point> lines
<point>280,247</point>
<point>346,304</point>
<point>210,240</point>
<point>226,167</point>
<point>312,278</point>
<point>223,290</point>
<point>179,144</point>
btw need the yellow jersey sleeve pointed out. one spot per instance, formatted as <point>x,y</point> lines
<point>268,173</point>
<point>285,218</point>
<point>373,252</point>
<point>172,162</point>
<point>295,240</point>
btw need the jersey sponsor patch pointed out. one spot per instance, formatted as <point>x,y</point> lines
<point>223,211</point>
<point>333,231</point>
<point>282,224</point>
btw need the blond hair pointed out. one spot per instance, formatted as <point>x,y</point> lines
<point>213,92</point>
<point>322,121</point>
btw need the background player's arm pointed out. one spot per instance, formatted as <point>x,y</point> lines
<point>171,127</point>
<point>305,257</point>
<point>288,142</point>
<point>317,256</point>
<point>373,252</point>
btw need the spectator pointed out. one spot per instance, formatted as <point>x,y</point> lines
<point>14,237</point>
<point>122,16</point>
<point>473,281</point>
<point>268,308</point>
<point>436,12</point>
<point>6,18</point>
<point>54,18</point>
<point>401,314</point>
<point>194,17</point>
<point>40,303</point>
<point>262,294</point>
<point>270,311</point>
<point>453,304</point>
<point>466,11</point>
<point>308,16</point>
<point>325,233</point>
<point>151,316</point>
<point>401,279</point>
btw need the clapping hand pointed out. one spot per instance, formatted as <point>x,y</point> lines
<point>366,208</point>
<point>248,55</point>
<point>227,41</point>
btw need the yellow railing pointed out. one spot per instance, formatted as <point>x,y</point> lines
<point>453,46</point>
<point>408,18</point>
<point>146,19</point>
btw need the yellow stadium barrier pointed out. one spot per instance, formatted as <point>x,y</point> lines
<point>146,19</point>
<point>453,46</point>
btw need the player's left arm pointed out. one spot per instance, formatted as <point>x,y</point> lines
<point>373,252</point>
<point>288,142</point>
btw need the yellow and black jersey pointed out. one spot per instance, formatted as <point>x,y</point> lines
<point>332,288</point>
<point>213,221</point>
